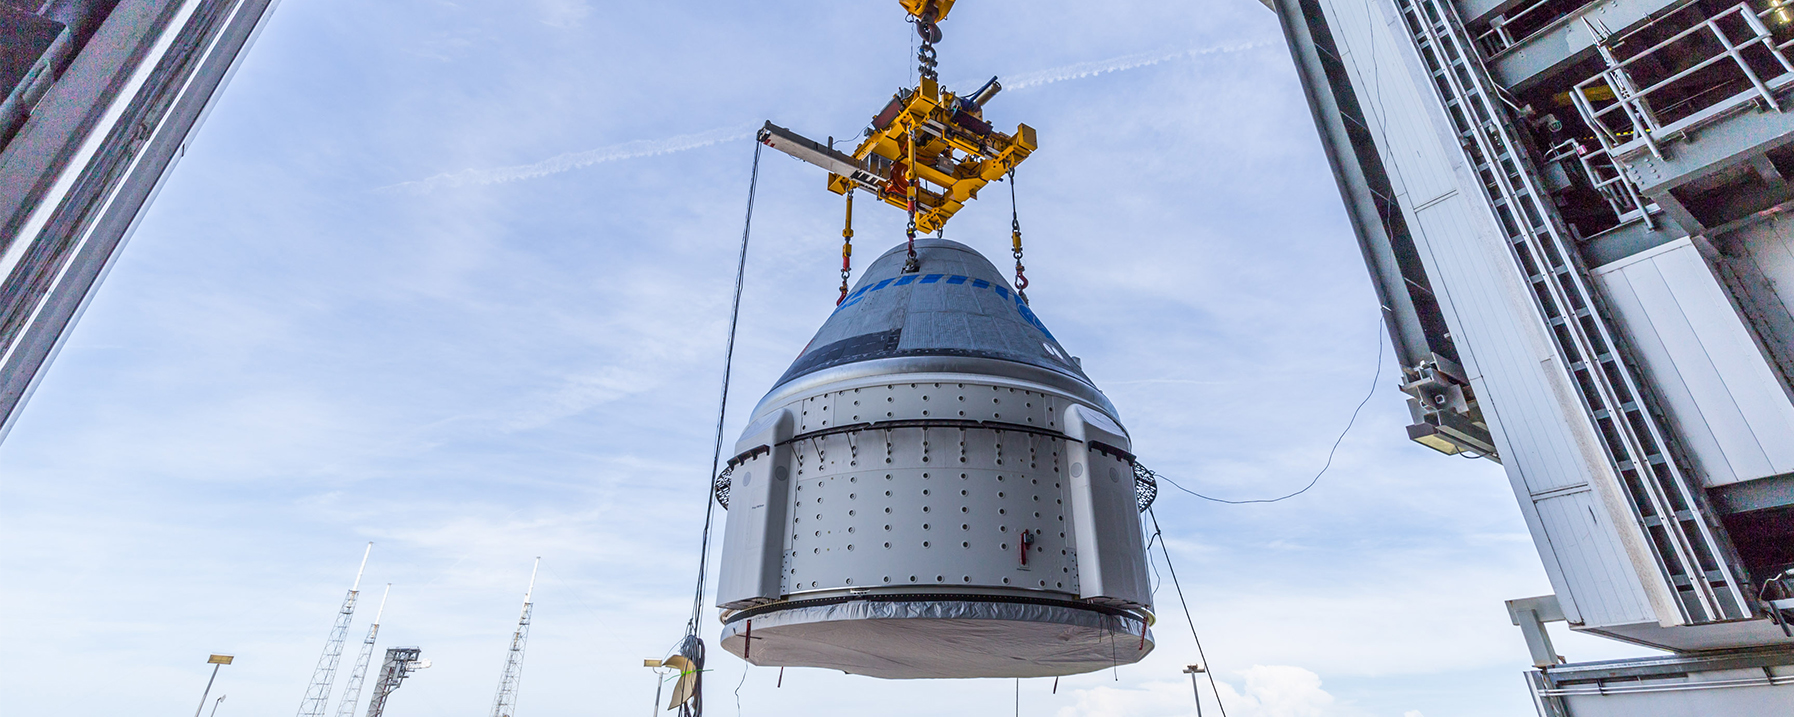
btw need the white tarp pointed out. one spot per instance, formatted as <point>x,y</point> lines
<point>913,639</point>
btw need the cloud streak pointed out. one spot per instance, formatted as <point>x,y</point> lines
<point>1122,64</point>
<point>573,160</point>
<point>652,147</point>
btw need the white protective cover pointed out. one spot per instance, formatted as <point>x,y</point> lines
<point>759,493</point>
<point>1111,545</point>
<point>931,639</point>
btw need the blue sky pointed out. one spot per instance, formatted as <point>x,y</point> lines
<point>349,316</point>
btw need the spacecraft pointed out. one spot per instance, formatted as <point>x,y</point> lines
<point>934,489</point>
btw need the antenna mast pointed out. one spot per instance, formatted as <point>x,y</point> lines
<point>317,694</point>
<point>359,674</point>
<point>505,704</point>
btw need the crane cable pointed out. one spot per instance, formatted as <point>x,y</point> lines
<point>692,646</point>
<point>1206,667</point>
<point>911,265</point>
<point>846,249</point>
<point>1015,233</point>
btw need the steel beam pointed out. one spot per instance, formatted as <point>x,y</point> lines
<point>93,155</point>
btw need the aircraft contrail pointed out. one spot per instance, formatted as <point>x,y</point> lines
<point>1120,64</point>
<point>650,147</point>
<point>574,160</point>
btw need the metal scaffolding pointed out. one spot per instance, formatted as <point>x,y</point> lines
<point>317,694</point>
<point>352,692</point>
<point>505,703</point>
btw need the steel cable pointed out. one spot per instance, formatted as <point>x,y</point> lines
<point>1200,655</point>
<point>716,457</point>
<point>1330,452</point>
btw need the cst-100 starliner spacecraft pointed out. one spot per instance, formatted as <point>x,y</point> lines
<point>935,489</point>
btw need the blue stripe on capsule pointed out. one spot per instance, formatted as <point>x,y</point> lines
<point>1003,291</point>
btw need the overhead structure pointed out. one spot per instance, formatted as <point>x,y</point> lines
<point>504,704</point>
<point>934,489</point>
<point>317,693</point>
<point>352,691</point>
<point>1575,216</point>
<point>401,662</point>
<point>98,99</point>
<point>929,150</point>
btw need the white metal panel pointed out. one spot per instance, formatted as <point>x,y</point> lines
<point>754,531</point>
<point>1728,343</point>
<point>1111,548</point>
<point>1695,431</point>
<point>1601,579</point>
<point>1392,104</point>
<point>1592,572</point>
<point>1493,324</point>
<point>1716,383</point>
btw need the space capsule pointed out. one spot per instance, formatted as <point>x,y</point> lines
<point>934,489</point>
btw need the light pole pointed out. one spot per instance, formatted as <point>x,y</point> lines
<point>215,705</point>
<point>216,661</point>
<point>1192,671</point>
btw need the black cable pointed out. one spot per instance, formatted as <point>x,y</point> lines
<point>1342,434</point>
<point>716,458</point>
<point>1208,669</point>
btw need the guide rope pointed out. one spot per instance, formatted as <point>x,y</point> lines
<point>1206,667</point>
<point>1015,233</point>
<point>692,646</point>
<point>1143,472</point>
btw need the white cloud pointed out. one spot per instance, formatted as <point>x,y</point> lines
<point>1278,691</point>
<point>1270,691</point>
<point>565,13</point>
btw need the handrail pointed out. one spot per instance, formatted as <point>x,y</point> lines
<point>1497,39</point>
<point>1631,101</point>
<point>1612,184</point>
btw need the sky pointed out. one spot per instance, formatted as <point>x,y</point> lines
<point>454,278</point>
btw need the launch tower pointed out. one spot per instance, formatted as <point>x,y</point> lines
<point>1574,214</point>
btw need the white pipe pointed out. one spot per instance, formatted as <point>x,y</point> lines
<point>363,568</point>
<point>382,610</point>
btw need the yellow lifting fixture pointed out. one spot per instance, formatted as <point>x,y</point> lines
<point>927,144</point>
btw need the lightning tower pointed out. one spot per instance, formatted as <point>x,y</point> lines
<point>317,694</point>
<point>352,692</point>
<point>505,704</point>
